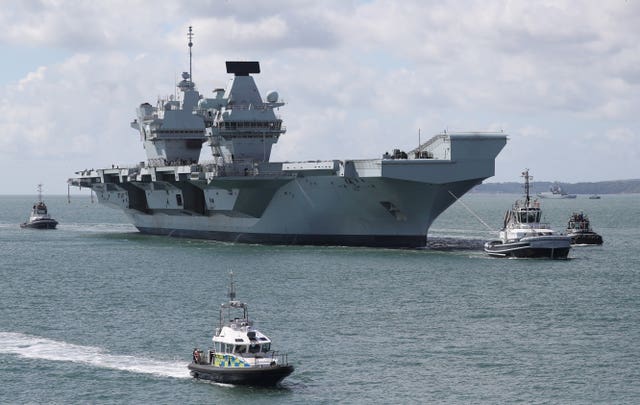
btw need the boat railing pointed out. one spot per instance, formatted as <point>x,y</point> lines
<point>531,225</point>
<point>272,358</point>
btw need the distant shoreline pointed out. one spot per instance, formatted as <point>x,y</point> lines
<point>600,187</point>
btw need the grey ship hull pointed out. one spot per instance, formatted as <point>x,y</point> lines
<point>379,202</point>
<point>320,211</point>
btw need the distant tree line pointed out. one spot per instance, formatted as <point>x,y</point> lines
<point>601,187</point>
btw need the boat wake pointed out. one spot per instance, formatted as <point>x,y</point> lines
<point>34,347</point>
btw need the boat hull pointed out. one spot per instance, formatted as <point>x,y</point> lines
<point>323,211</point>
<point>541,247</point>
<point>585,238</point>
<point>389,241</point>
<point>253,376</point>
<point>40,224</point>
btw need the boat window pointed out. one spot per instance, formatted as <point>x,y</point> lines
<point>266,347</point>
<point>241,349</point>
<point>254,349</point>
<point>529,216</point>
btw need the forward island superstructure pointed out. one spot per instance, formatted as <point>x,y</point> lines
<point>239,195</point>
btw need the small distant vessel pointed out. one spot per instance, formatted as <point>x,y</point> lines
<point>555,191</point>
<point>241,354</point>
<point>594,197</point>
<point>580,232</point>
<point>40,218</point>
<point>523,235</point>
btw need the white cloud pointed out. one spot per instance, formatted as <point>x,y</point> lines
<point>360,77</point>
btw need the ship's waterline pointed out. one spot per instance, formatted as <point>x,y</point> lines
<point>241,196</point>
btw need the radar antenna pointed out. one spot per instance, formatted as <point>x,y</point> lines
<point>190,36</point>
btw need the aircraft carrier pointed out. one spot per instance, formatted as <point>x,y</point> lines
<point>239,195</point>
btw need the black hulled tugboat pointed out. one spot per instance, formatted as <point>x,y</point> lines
<point>40,218</point>
<point>579,229</point>
<point>240,354</point>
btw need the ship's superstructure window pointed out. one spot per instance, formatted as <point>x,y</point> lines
<point>529,216</point>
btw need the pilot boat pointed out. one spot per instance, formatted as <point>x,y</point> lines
<point>580,232</point>
<point>523,235</point>
<point>241,354</point>
<point>40,218</point>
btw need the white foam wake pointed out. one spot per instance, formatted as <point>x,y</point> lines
<point>34,347</point>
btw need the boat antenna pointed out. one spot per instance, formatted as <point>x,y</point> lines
<point>526,176</point>
<point>40,192</point>
<point>190,36</point>
<point>232,288</point>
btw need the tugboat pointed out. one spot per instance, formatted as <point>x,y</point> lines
<point>40,218</point>
<point>579,229</point>
<point>241,354</point>
<point>523,235</point>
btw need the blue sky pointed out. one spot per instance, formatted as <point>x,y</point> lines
<point>359,78</point>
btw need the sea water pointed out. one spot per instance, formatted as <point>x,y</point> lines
<point>94,312</point>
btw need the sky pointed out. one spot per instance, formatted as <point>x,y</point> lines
<point>561,78</point>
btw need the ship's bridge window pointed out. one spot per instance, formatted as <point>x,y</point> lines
<point>266,347</point>
<point>254,349</point>
<point>241,349</point>
<point>529,216</point>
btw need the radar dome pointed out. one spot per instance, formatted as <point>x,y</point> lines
<point>272,97</point>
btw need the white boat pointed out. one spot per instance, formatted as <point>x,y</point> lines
<point>39,217</point>
<point>240,354</point>
<point>523,235</point>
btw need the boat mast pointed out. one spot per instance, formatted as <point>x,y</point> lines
<point>526,176</point>
<point>190,36</point>
<point>40,192</point>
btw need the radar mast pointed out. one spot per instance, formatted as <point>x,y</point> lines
<point>190,36</point>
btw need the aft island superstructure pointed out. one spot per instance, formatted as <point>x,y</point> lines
<point>239,195</point>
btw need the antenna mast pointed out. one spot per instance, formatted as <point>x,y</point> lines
<point>526,176</point>
<point>190,36</point>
